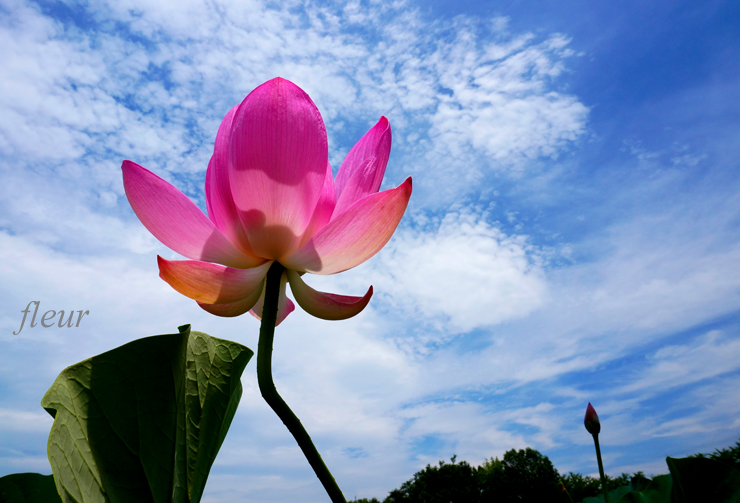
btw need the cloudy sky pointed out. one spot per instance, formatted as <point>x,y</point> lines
<point>572,235</point>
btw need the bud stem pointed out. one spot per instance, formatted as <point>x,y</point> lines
<point>601,468</point>
<point>270,394</point>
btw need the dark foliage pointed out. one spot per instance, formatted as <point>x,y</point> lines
<point>582,486</point>
<point>447,483</point>
<point>729,455</point>
<point>523,475</point>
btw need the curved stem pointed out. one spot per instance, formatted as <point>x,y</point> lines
<point>601,468</point>
<point>270,394</point>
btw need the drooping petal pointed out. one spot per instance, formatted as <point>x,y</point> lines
<point>278,153</point>
<point>354,236</point>
<point>233,309</point>
<point>376,143</point>
<point>285,305</point>
<point>327,306</point>
<point>324,208</point>
<point>176,221</point>
<point>212,283</point>
<point>219,201</point>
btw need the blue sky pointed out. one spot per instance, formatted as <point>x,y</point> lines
<point>572,236</point>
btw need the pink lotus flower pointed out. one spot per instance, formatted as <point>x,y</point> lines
<point>271,197</point>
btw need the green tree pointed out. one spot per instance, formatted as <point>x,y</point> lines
<point>447,483</point>
<point>582,486</point>
<point>521,476</point>
<point>728,455</point>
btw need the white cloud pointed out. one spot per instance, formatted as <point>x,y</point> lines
<point>502,105</point>
<point>86,98</point>
<point>459,273</point>
<point>676,365</point>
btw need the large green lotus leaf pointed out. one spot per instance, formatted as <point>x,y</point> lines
<point>28,488</point>
<point>143,423</point>
<point>704,479</point>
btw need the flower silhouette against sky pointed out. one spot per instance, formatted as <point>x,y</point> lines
<point>591,421</point>
<point>271,196</point>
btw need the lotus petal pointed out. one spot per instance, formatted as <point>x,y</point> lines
<point>278,153</point>
<point>355,173</point>
<point>211,283</point>
<point>233,309</point>
<point>324,208</point>
<point>327,306</point>
<point>356,190</point>
<point>355,235</point>
<point>285,305</point>
<point>176,221</point>
<point>219,201</point>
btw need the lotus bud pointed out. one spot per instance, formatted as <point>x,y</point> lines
<point>591,421</point>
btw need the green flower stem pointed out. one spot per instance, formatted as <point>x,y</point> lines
<point>601,468</point>
<point>270,394</point>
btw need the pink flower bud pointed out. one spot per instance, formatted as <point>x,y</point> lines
<point>591,421</point>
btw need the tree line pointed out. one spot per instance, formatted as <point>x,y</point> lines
<point>522,475</point>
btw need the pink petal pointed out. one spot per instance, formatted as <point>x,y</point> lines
<point>211,283</point>
<point>176,221</point>
<point>233,309</point>
<point>356,189</point>
<point>324,208</point>
<point>285,305</point>
<point>279,152</point>
<point>326,306</point>
<point>219,201</point>
<point>354,236</point>
<point>359,176</point>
